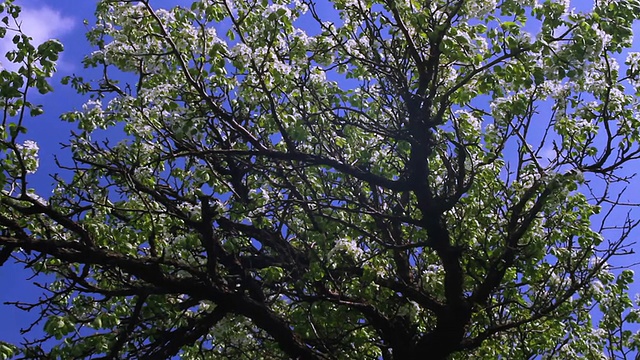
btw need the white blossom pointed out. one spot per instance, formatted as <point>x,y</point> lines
<point>300,6</point>
<point>352,47</point>
<point>597,287</point>
<point>599,332</point>
<point>275,8</point>
<point>479,8</point>
<point>601,34</point>
<point>633,65</point>
<point>317,76</point>
<point>29,152</point>
<point>432,276</point>
<point>282,68</point>
<point>566,4</point>
<point>29,145</point>
<point>347,247</point>
<point>498,108</point>
<point>92,105</point>
<point>193,211</point>
<point>553,88</point>
<point>469,118</point>
<point>301,35</point>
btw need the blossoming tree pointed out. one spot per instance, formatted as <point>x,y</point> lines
<point>365,179</point>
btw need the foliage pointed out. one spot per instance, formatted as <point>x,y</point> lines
<point>350,180</point>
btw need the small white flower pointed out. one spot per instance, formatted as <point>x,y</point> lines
<point>282,68</point>
<point>29,152</point>
<point>466,116</point>
<point>241,50</point>
<point>347,247</point>
<point>597,287</point>
<point>317,76</point>
<point>30,145</point>
<point>479,8</point>
<point>302,36</point>
<point>274,8</point>
<point>301,6</point>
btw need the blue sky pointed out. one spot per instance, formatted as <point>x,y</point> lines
<point>42,20</point>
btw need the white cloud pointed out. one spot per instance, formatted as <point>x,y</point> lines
<point>41,24</point>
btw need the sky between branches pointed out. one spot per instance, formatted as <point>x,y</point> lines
<point>64,20</point>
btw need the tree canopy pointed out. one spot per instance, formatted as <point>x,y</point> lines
<point>340,179</point>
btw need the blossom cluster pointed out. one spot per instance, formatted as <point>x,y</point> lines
<point>29,154</point>
<point>347,247</point>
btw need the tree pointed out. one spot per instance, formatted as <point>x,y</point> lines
<point>383,180</point>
